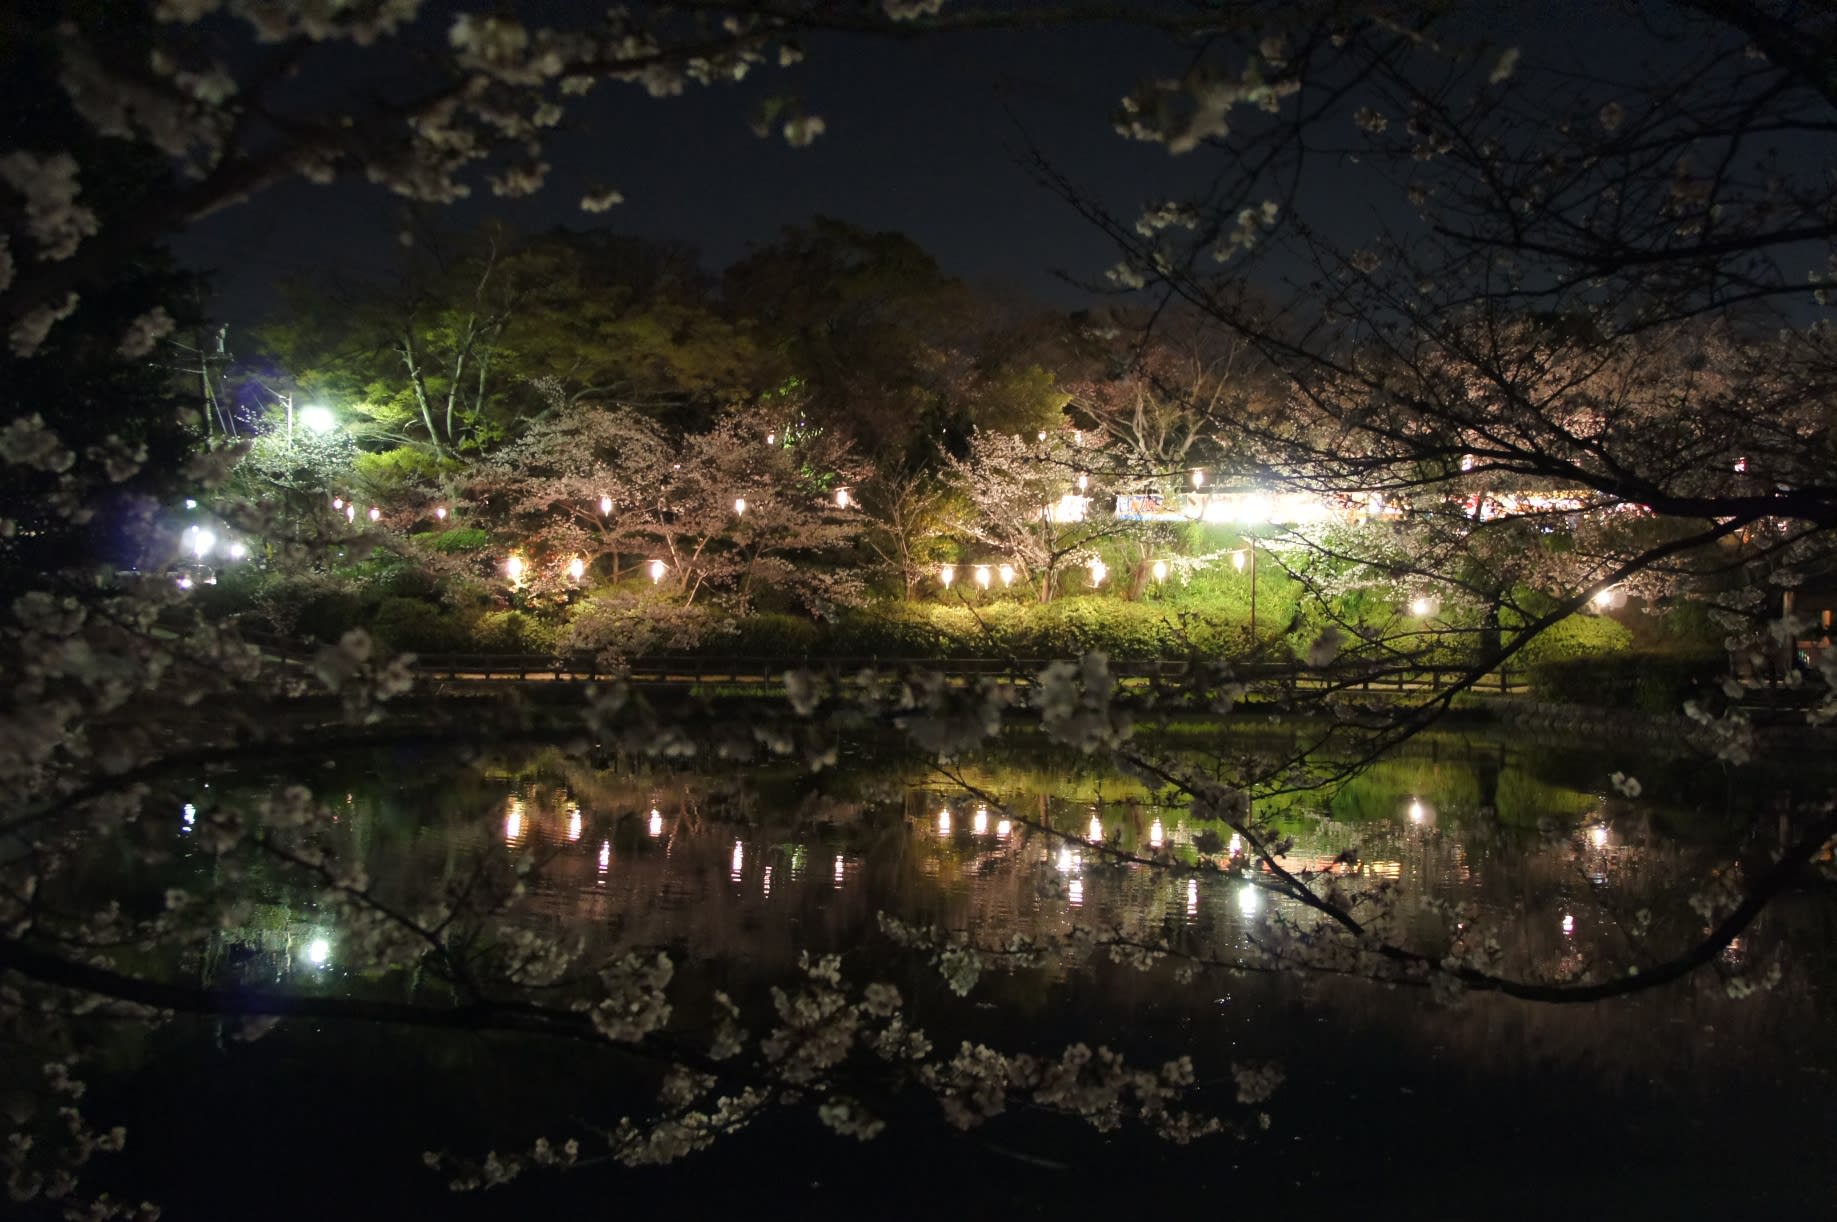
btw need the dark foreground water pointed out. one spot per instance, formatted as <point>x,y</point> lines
<point>1681,1102</point>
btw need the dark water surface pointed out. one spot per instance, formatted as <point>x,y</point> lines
<point>1680,1102</point>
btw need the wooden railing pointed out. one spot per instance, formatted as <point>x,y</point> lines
<point>769,672</point>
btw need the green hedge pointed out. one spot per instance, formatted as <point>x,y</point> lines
<point>1649,682</point>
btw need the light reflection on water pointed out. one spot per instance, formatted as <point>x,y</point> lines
<point>756,890</point>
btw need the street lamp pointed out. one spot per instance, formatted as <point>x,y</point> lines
<point>317,418</point>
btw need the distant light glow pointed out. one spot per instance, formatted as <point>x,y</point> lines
<point>1006,573</point>
<point>1095,831</point>
<point>1159,570</point>
<point>513,567</point>
<point>440,512</point>
<point>605,505</point>
<point>1068,860</point>
<point>1249,900</point>
<point>574,822</point>
<point>980,824</point>
<point>1417,813</point>
<point>318,418</point>
<point>658,568</point>
<point>605,856</point>
<point>1002,828</point>
<point>337,503</point>
<point>1192,897</point>
<point>375,514</point>
<point>842,498</point>
<point>577,568</point>
<point>350,513</point>
<point>318,952</point>
<point>201,543</point>
<point>513,822</point>
<point>1239,557</point>
<point>839,871</point>
<point>982,576</point>
<point>1236,846</point>
<point>190,504</point>
<point>1423,605</point>
<point>1598,834</point>
<point>738,861</point>
<point>947,573</point>
<point>1084,482</point>
<point>656,825</point>
<point>1157,835</point>
<point>1568,925</point>
<point>740,505</point>
<point>191,814</point>
<point>944,822</point>
<point>1199,479</point>
<point>765,880</point>
<point>1099,570</point>
<point>238,550</point>
<point>1075,892</point>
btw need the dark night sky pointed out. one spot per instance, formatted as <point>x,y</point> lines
<point>922,137</point>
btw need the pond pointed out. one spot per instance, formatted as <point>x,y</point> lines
<point>1692,1099</point>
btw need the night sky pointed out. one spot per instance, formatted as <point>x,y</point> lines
<point>924,137</point>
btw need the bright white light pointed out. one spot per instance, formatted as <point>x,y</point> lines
<point>318,418</point>
<point>376,515</point>
<point>238,550</point>
<point>1568,925</point>
<point>1002,828</point>
<point>605,855</point>
<point>1157,834</point>
<point>1249,899</point>
<point>350,513</point>
<point>1084,482</point>
<point>841,498</point>
<point>1099,570</point>
<point>1095,831</point>
<point>184,583</point>
<point>1255,509</point>
<point>1159,570</point>
<point>191,814</point>
<point>947,573</point>
<point>440,512</point>
<point>765,880</point>
<point>318,952</point>
<point>1192,897</point>
<point>1068,860</point>
<point>658,568</point>
<point>605,505</point>
<point>656,827</point>
<point>1238,558</point>
<point>337,503</point>
<point>982,576</point>
<point>202,542</point>
<point>190,504</point>
<point>771,439</point>
<point>839,871</point>
<point>1075,892</point>
<point>513,822</point>
<point>944,822</point>
<point>513,568</point>
<point>1599,836</point>
<point>1417,813</point>
<point>1199,479</point>
<point>980,824</point>
<point>1422,604</point>
<point>738,861</point>
<point>1006,573</point>
<point>574,824</point>
<point>577,568</point>
<point>1236,846</point>
<point>740,505</point>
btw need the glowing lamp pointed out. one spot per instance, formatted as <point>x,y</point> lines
<point>1006,573</point>
<point>577,568</point>
<point>605,505</point>
<point>947,573</point>
<point>514,568</point>
<point>842,498</point>
<point>982,576</point>
<point>740,505</point>
<point>658,568</point>
<point>1159,570</point>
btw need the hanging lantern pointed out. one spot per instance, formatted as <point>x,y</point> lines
<point>740,505</point>
<point>1159,570</point>
<point>1006,573</point>
<point>982,576</point>
<point>514,568</point>
<point>440,512</point>
<point>947,573</point>
<point>605,505</point>
<point>841,498</point>
<point>375,513</point>
<point>1099,570</point>
<point>658,568</point>
<point>577,568</point>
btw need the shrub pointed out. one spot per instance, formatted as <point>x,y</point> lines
<point>461,541</point>
<point>514,632</point>
<point>410,623</point>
